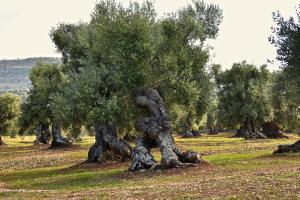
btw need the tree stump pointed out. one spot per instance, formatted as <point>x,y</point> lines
<point>156,129</point>
<point>57,139</point>
<point>108,145</point>
<point>293,148</point>
<point>272,131</point>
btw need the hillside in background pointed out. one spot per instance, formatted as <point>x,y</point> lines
<point>14,74</point>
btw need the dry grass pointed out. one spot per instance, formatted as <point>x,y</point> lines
<point>238,169</point>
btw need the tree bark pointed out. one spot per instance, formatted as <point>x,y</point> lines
<point>191,133</point>
<point>249,131</point>
<point>141,155</point>
<point>129,138</point>
<point>1,141</point>
<point>108,145</point>
<point>156,129</point>
<point>293,148</point>
<point>188,132</point>
<point>271,130</point>
<point>213,131</point>
<point>57,139</point>
<point>42,134</point>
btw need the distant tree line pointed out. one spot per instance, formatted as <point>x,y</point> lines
<point>28,62</point>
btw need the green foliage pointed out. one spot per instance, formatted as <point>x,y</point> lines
<point>45,79</point>
<point>286,38</point>
<point>244,95</point>
<point>123,49</point>
<point>286,111</point>
<point>183,77</point>
<point>9,113</point>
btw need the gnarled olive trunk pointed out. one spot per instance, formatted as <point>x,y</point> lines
<point>156,129</point>
<point>212,130</point>
<point>188,132</point>
<point>249,130</point>
<point>57,139</point>
<point>108,145</point>
<point>271,130</point>
<point>1,141</point>
<point>191,133</point>
<point>293,148</point>
<point>43,134</point>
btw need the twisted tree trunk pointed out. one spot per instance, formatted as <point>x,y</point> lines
<point>43,134</point>
<point>293,148</point>
<point>271,130</point>
<point>156,129</point>
<point>188,132</point>
<point>212,130</point>
<point>249,131</point>
<point>57,139</point>
<point>108,145</point>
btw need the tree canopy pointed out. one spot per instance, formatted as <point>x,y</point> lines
<point>286,39</point>
<point>244,96</point>
<point>122,49</point>
<point>9,113</point>
<point>108,61</point>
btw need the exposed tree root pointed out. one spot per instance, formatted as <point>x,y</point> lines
<point>249,132</point>
<point>293,148</point>
<point>272,131</point>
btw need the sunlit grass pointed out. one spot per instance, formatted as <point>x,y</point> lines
<point>24,166</point>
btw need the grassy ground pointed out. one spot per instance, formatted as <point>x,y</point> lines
<point>238,169</point>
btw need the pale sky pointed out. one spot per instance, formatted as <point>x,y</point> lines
<point>25,26</point>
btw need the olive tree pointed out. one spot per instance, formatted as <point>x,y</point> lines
<point>286,111</point>
<point>9,113</point>
<point>127,63</point>
<point>244,99</point>
<point>36,110</point>
<point>286,39</point>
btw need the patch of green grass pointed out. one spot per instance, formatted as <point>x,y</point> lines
<point>240,169</point>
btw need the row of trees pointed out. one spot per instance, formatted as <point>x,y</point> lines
<point>122,65</point>
<point>126,71</point>
<point>254,101</point>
